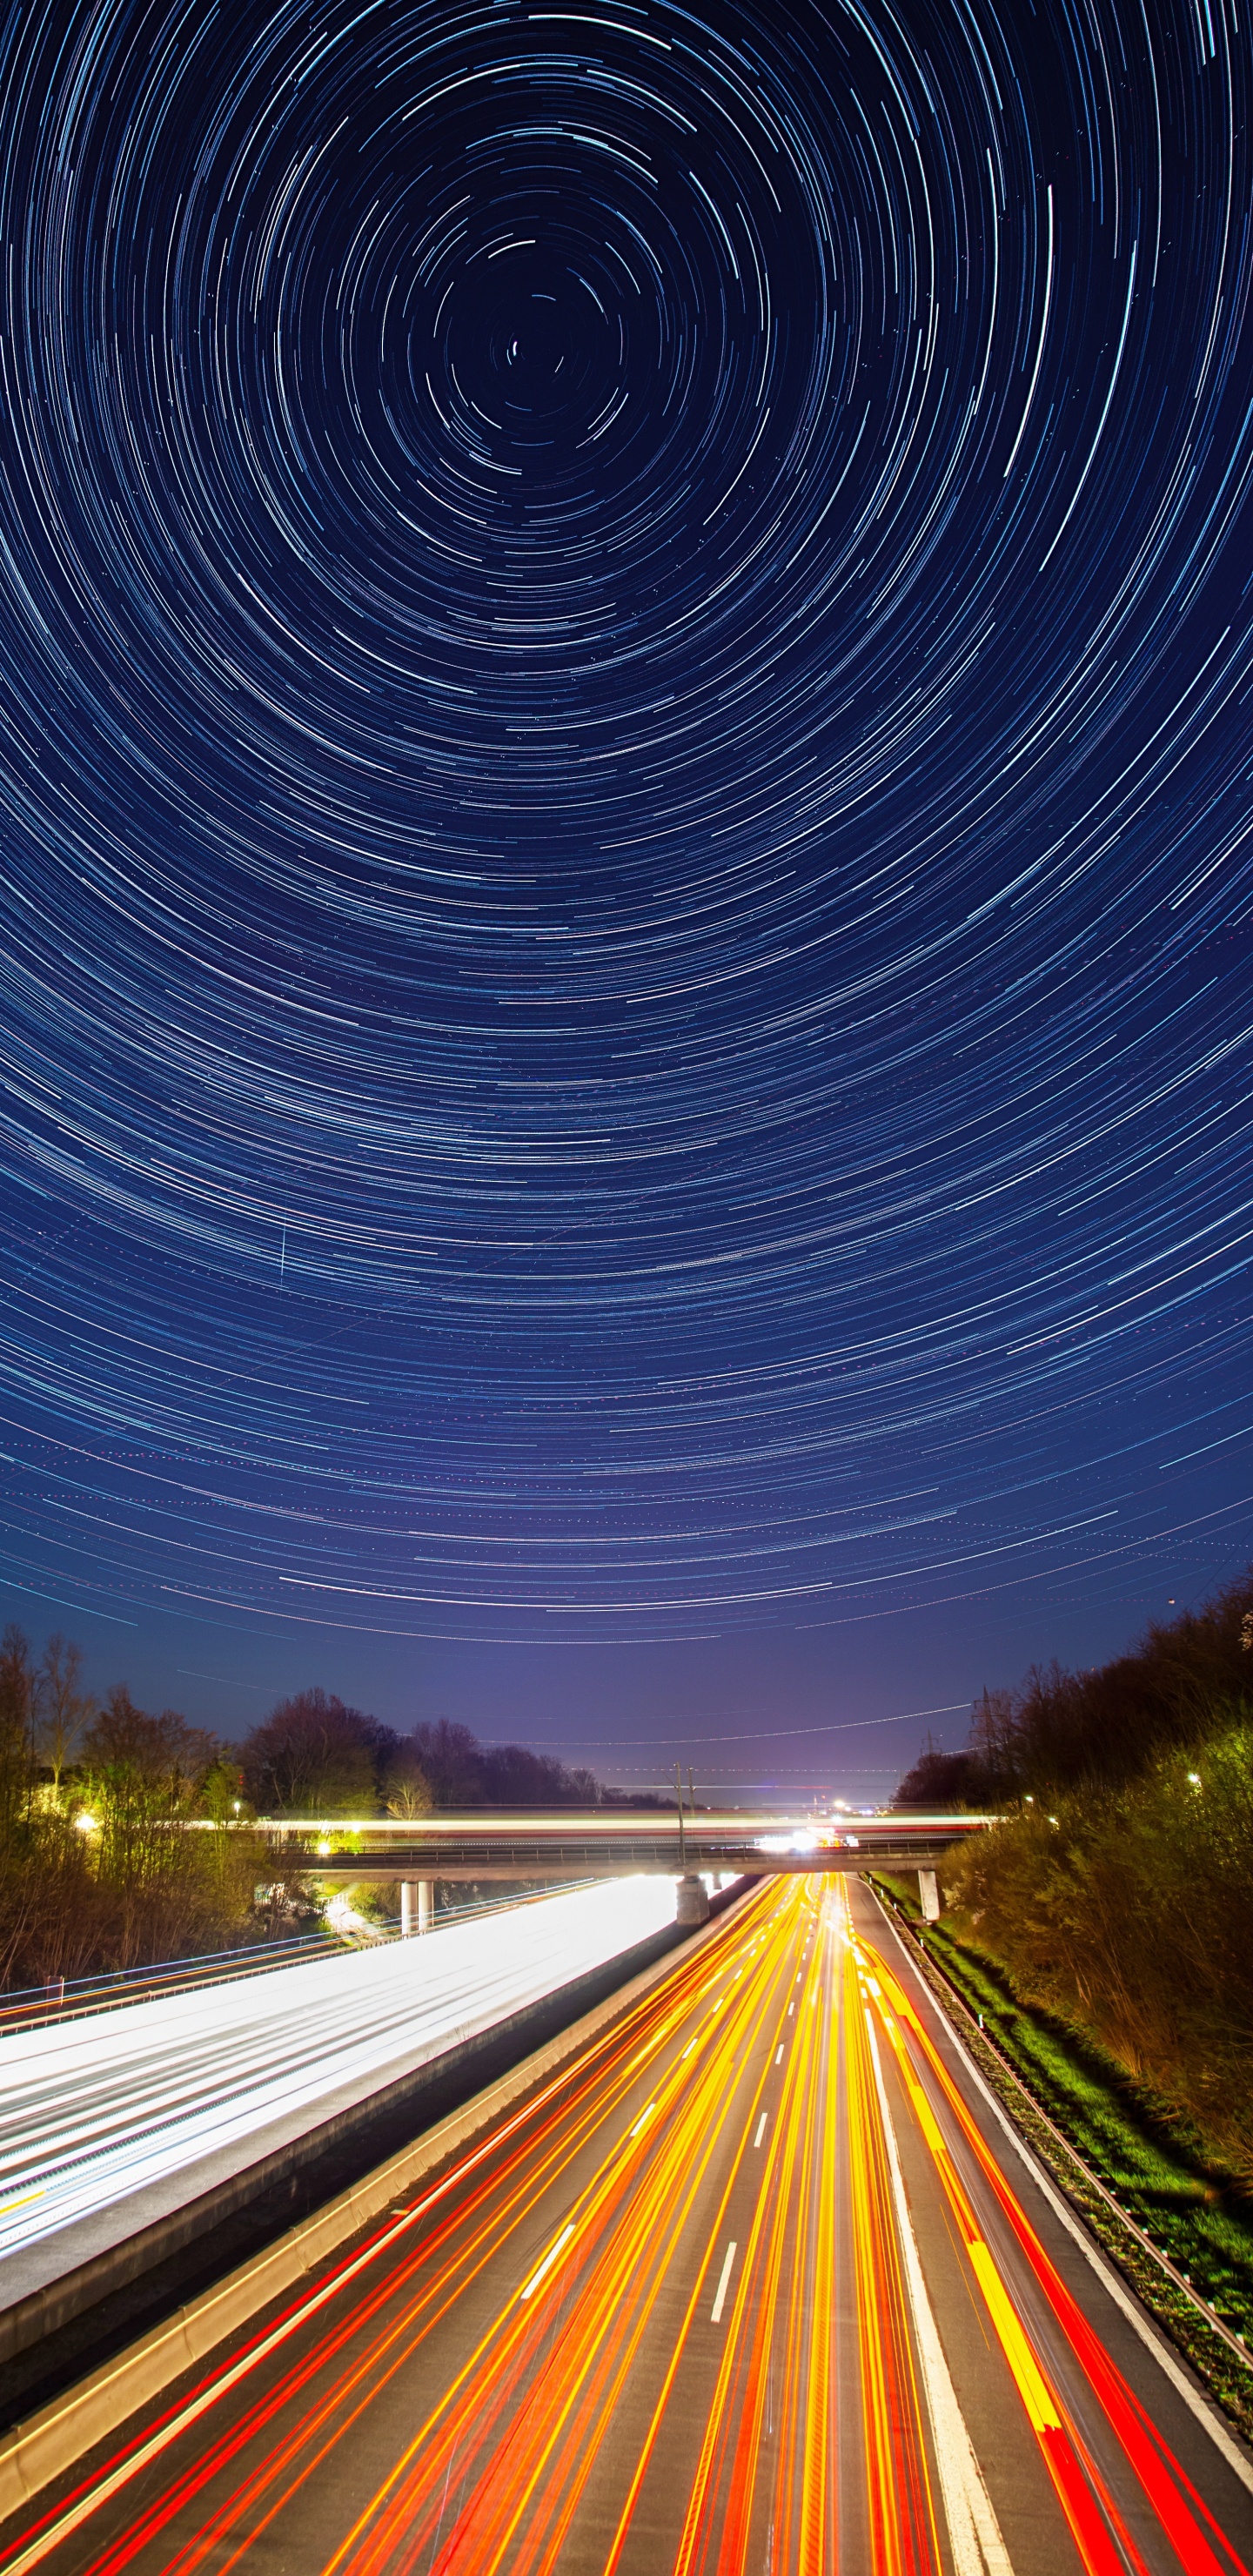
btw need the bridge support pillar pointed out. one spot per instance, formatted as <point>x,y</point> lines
<point>692,1902</point>
<point>417,1906</point>
<point>929,1895</point>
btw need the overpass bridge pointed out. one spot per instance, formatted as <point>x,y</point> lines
<point>614,1845</point>
<point>617,1844</point>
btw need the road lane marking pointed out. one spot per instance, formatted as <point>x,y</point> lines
<point>715,2313</point>
<point>778,2053</point>
<point>549,2259</point>
<point>761,2128</point>
<point>644,2118</point>
<point>974,2532</point>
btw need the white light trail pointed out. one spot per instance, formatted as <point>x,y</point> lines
<point>93,2112</point>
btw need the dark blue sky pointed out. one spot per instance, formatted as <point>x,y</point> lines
<point>625,845</point>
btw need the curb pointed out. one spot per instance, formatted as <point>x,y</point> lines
<point>54,2439</point>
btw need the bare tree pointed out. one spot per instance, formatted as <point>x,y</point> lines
<point>314,1756</point>
<point>16,1725</point>
<point>408,1792</point>
<point>62,1707</point>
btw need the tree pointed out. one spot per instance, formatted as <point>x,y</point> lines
<point>1062,1730</point>
<point>461,1772</point>
<point>513,1776</point>
<point>62,1709</point>
<point>140,1777</point>
<point>16,1722</point>
<point>943,1780</point>
<point>452,1760</point>
<point>313,1756</point>
<point>408,1790</point>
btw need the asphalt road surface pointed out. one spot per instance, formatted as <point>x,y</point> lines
<point>759,2282</point>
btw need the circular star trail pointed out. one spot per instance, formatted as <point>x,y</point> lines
<point>625,646</point>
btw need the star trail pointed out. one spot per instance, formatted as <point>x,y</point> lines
<point>625,822</point>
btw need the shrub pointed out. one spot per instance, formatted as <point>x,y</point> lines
<point>1128,1911</point>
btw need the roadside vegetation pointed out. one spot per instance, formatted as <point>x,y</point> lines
<point>1103,1929</point>
<point>1176,2225</point>
<point>98,1868</point>
<point>1116,1893</point>
<point>95,1871</point>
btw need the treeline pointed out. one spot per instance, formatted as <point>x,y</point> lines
<point>1117,1890</point>
<point>98,1867</point>
<point>96,1871</point>
<point>315,1756</point>
<point>1063,1730</point>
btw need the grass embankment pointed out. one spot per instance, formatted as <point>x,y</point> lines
<point>1189,2204</point>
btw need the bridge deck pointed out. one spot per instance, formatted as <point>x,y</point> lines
<point>555,1848</point>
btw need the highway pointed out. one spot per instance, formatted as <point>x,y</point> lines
<point>757,2283</point>
<point>102,2116</point>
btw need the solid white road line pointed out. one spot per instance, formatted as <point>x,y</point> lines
<point>975,2533</point>
<point>715,2313</point>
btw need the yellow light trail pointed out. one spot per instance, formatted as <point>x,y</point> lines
<point>640,2333</point>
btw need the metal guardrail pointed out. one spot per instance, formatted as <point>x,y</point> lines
<point>64,1998</point>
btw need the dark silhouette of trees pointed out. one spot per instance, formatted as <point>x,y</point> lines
<point>1061,1730</point>
<point>127,1837</point>
<point>449,1757</point>
<point>942,1780</point>
<point>98,1867</point>
<point>314,1756</point>
<point>17,1705</point>
<point>464,1773</point>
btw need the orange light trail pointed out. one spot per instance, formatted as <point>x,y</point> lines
<point>1100,2532</point>
<point>670,2319</point>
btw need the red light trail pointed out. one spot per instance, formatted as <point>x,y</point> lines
<point>747,2287</point>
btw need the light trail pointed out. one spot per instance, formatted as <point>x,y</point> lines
<point>903,2534</point>
<point>95,2111</point>
<point>1101,2534</point>
<point>619,2339</point>
<point>620,1019</point>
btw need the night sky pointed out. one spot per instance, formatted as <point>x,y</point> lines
<point>627,856</point>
